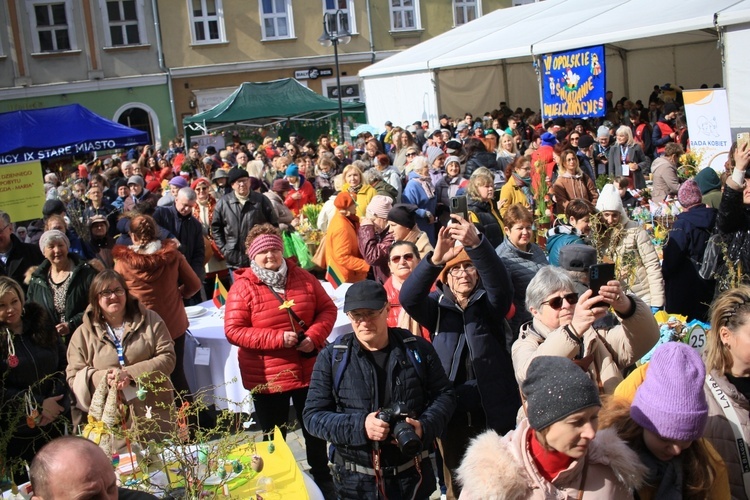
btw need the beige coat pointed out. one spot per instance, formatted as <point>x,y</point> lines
<point>148,351</point>
<point>647,281</point>
<point>720,434</point>
<point>502,468</point>
<point>613,349</point>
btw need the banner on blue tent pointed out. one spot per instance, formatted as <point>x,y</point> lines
<point>574,83</point>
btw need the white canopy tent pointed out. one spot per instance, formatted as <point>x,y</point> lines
<point>476,66</point>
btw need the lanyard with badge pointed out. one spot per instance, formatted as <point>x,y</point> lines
<point>118,346</point>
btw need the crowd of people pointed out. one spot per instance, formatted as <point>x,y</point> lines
<point>476,338</point>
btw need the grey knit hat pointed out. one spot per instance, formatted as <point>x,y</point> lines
<point>554,388</point>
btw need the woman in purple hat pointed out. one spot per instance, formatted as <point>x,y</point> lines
<point>660,410</point>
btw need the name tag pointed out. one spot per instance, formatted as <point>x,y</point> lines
<point>202,356</point>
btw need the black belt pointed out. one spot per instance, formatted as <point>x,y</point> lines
<point>384,471</point>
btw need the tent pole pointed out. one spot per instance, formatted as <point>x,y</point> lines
<point>538,72</point>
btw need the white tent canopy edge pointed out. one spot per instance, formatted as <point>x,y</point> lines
<point>473,67</point>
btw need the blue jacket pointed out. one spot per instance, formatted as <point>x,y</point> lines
<point>476,333</point>
<point>413,193</point>
<point>558,237</point>
<point>429,395</point>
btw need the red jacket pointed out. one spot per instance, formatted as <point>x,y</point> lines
<point>254,322</point>
<point>308,196</point>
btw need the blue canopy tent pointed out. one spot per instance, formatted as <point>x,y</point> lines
<point>50,133</point>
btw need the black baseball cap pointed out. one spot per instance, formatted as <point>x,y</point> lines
<point>365,294</point>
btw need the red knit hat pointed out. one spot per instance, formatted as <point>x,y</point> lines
<point>263,243</point>
<point>198,181</point>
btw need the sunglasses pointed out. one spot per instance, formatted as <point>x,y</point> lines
<point>557,302</point>
<point>408,257</point>
<point>411,154</point>
<point>201,188</point>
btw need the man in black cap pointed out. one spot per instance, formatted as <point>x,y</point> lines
<point>585,155</point>
<point>16,257</point>
<point>380,397</point>
<point>235,214</point>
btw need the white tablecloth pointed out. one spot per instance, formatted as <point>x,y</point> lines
<point>222,375</point>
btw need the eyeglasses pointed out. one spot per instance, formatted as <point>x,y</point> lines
<point>411,154</point>
<point>408,257</point>
<point>364,315</point>
<point>108,293</point>
<point>557,302</point>
<point>461,269</point>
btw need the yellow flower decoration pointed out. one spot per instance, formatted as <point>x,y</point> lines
<point>286,305</point>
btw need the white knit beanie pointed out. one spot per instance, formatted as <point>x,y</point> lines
<point>610,201</point>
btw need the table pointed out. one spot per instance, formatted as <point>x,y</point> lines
<point>221,377</point>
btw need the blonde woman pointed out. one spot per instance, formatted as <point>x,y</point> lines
<point>360,191</point>
<point>483,209</point>
<point>726,359</point>
<point>627,159</point>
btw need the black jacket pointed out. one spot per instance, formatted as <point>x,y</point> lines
<point>481,159</point>
<point>40,371</point>
<point>733,223</point>
<point>232,221</point>
<point>489,221</point>
<point>21,257</point>
<point>477,332</point>
<point>432,398</point>
<point>78,291</point>
<point>188,231</point>
<point>685,291</point>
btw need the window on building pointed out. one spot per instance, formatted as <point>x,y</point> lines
<point>123,19</point>
<point>52,26</point>
<point>276,19</point>
<point>347,7</point>
<point>405,15</point>
<point>207,21</point>
<point>465,11</point>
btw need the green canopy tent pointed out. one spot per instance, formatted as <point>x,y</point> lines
<point>259,104</point>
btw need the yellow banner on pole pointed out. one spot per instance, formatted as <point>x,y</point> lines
<point>22,190</point>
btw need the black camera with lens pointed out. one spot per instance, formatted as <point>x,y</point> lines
<point>406,438</point>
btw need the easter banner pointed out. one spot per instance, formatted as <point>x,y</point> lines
<point>574,83</point>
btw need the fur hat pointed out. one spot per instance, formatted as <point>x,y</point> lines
<point>689,194</point>
<point>555,388</point>
<point>670,402</point>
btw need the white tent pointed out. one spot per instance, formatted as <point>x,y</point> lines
<point>476,66</point>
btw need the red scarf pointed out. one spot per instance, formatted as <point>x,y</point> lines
<point>550,463</point>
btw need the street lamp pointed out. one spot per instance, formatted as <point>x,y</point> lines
<point>336,31</point>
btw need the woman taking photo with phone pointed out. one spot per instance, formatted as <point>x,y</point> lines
<point>562,326</point>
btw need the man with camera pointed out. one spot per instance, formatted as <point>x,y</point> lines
<point>380,397</point>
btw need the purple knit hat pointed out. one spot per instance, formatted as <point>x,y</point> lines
<point>670,402</point>
<point>689,194</point>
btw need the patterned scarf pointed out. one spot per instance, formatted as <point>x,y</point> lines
<point>525,184</point>
<point>274,279</point>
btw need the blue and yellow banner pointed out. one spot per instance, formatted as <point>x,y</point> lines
<point>574,83</point>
